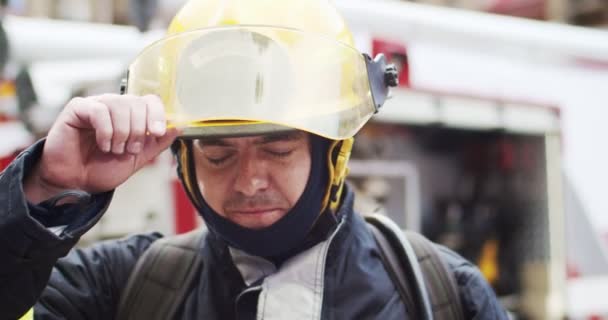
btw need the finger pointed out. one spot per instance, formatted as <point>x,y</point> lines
<point>157,124</point>
<point>138,128</point>
<point>155,145</point>
<point>120,112</point>
<point>90,113</point>
<point>121,122</point>
<point>165,141</point>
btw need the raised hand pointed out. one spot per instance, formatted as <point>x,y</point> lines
<point>97,143</point>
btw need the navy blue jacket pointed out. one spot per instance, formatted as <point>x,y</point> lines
<point>39,268</point>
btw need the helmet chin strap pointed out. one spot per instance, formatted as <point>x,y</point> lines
<point>337,161</point>
<point>180,149</point>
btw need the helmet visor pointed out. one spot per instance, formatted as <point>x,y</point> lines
<point>252,79</point>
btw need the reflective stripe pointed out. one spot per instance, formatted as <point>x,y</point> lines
<point>29,315</point>
<point>252,268</point>
<point>295,291</point>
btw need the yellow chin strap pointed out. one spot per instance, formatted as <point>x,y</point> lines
<point>29,315</point>
<point>338,170</point>
<point>182,158</point>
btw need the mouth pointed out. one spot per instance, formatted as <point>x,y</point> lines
<point>255,211</point>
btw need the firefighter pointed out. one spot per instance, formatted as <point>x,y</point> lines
<point>259,101</point>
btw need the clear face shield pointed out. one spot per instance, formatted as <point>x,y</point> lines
<point>248,80</point>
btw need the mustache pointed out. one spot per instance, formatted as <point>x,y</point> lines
<point>239,201</point>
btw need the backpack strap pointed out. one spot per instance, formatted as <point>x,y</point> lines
<point>441,285</point>
<point>162,277</point>
<point>396,273</point>
<point>443,294</point>
<point>401,263</point>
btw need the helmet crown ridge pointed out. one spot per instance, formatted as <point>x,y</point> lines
<point>314,16</point>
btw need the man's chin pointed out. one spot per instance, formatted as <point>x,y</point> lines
<point>258,220</point>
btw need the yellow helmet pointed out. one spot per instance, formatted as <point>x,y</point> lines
<point>242,67</point>
<point>235,66</point>
<point>314,16</point>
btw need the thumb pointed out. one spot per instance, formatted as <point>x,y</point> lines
<point>153,146</point>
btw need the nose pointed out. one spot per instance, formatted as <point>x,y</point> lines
<point>252,175</point>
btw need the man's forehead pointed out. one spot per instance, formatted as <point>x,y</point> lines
<point>292,135</point>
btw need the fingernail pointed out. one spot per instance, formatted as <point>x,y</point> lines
<point>105,147</point>
<point>158,127</point>
<point>134,147</point>
<point>120,148</point>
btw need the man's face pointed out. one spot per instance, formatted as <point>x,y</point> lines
<point>253,181</point>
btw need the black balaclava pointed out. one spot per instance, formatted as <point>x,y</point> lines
<point>289,233</point>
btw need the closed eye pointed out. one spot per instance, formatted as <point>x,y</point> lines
<point>218,161</point>
<point>279,154</point>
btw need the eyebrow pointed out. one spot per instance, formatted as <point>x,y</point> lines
<point>205,142</point>
<point>283,136</point>
<point>265,139</point>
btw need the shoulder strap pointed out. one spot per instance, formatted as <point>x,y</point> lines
<point>161,278</point>
<point>402,265</point>
<point>441,285</point>
<point>396,272</point>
